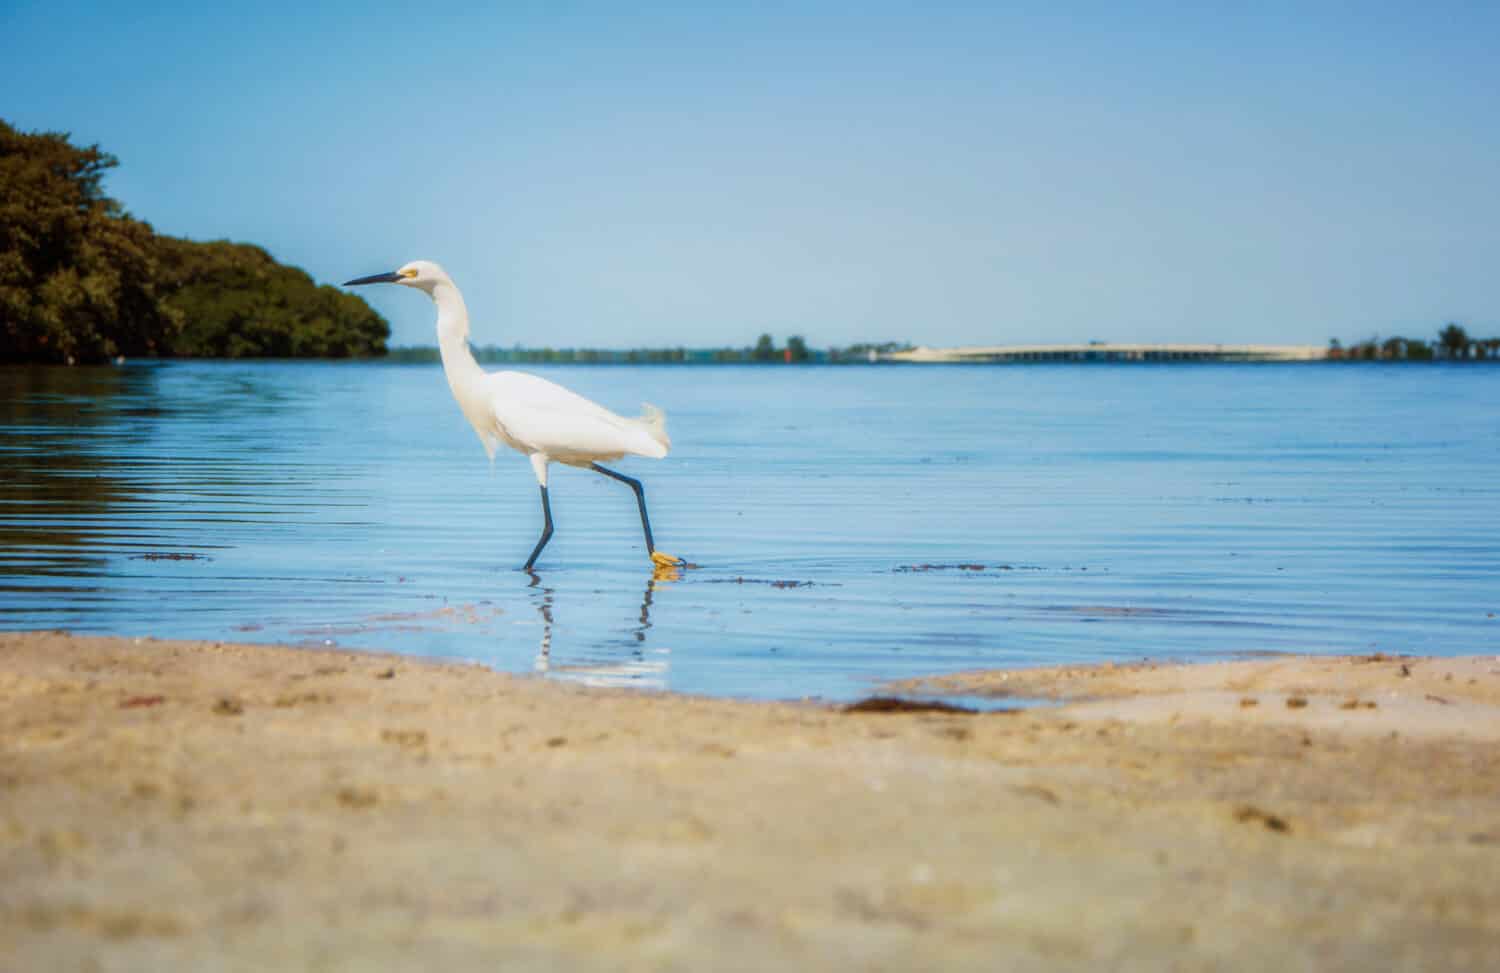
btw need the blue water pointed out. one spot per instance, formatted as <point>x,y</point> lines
<point>850,524</point>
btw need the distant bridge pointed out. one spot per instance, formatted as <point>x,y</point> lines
<point>1106,351</point>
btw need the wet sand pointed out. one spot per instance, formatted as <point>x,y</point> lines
<point>211,806</point>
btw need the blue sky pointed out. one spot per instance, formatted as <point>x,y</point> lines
<point>635,174</point>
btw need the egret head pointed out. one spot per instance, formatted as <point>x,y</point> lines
<point>424,275</point>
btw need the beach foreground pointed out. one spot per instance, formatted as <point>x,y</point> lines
<point>215,806</point>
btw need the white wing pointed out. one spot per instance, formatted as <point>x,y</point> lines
<point>539,416</point>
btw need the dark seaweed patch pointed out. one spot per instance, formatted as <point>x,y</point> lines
<point>894,704</point>
<point>769,582</point>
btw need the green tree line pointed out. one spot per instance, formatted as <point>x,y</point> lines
<point>1453,342</point>
<point>83,281</point>
<point>764,351</point>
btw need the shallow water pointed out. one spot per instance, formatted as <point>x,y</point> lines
<point>851,524</point>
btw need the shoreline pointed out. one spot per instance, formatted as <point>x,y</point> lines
<point>248,806</point>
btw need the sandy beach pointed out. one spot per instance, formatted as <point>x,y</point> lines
<point>191,805</point>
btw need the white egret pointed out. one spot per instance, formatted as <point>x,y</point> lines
<point>530,414</point>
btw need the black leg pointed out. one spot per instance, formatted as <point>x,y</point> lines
<point>640,499</point>
<point>546,530</point>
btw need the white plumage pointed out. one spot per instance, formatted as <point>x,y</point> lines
<point>529,414</point>
<point>533,415</point>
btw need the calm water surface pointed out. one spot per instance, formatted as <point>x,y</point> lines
<point>851,524</point>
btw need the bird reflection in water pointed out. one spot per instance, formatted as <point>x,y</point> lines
<point>641,668</point>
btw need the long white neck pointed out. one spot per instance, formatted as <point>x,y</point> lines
<point>453,336</point>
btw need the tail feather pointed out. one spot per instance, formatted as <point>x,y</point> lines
<point>654,421</point>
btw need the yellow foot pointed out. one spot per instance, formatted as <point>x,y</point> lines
<point>664,560</point>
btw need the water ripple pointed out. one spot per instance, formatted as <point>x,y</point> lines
<point>852,524</point>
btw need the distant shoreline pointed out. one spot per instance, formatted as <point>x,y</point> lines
<point>422,355</point>
<point>1017,355</point>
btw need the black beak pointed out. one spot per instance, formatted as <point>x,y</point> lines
<point>389,278</point>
